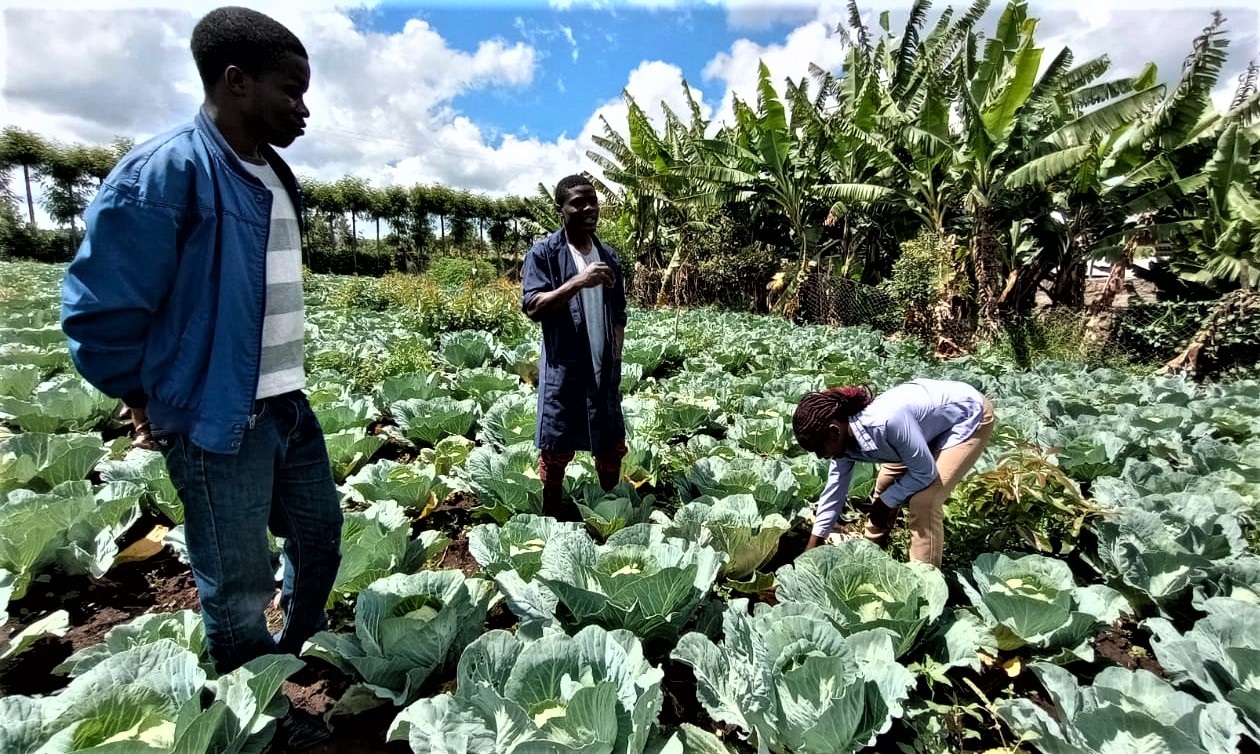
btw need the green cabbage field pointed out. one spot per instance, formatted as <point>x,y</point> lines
<point>1101,590</point>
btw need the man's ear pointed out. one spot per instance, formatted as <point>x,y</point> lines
<point>236,81</point>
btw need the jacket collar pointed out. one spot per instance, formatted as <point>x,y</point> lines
<point>862,435</point>
<point>557,242</point>
<point>221,149</point>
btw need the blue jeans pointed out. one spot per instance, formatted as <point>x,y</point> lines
<point>281,479</point>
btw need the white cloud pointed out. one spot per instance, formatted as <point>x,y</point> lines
<point>376,99</point>
<point>654,84</point>
<point>737,68</point>
<point>568,35</point>
<point>384,104</point>
<point>762,14</point>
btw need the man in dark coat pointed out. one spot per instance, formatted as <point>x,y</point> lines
<point>573,286</point>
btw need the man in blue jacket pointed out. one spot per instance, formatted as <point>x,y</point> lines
<point>185,301</point>
<point>573,285</point>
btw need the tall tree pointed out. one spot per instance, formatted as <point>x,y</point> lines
<point>28,150</point>
<point>69,168</point>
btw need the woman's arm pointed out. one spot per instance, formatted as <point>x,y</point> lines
<point>904,437</point>
<point>831,503</point>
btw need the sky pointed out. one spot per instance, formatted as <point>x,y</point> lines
<point>498,97</point>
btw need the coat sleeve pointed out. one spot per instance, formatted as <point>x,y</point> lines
<point>120,277</point>
<point>905,438</point>
<point>535,276</point>
<point>617,297</point>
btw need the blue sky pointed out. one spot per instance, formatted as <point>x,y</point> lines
<point>584,55</point>
<point>498,97</point>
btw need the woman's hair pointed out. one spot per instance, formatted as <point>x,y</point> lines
<point>816,411</point>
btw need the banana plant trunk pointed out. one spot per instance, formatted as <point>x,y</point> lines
<point>667,276</point>
<point>1069,285</point>
<point>986,261</point>
<point>1101,311</point>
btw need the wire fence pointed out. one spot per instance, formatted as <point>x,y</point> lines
<point>1136,329</point>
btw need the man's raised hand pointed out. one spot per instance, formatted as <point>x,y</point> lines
<point>594,275</point>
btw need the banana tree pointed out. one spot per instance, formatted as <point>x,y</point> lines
<point>646,167</point>
<point>1083,166</point>
<point>762,162</point>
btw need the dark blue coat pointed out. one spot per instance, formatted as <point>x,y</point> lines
<point>574,414</point>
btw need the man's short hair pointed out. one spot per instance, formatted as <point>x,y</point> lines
<point>245,38</point>
<point>568,183</point>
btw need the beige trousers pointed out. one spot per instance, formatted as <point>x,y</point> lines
<point>926,519</point>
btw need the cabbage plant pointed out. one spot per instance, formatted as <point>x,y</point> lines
<point>1159,548</point>
<point>794,683</point>
<point>505,482</point>
<point>406,628</point>
<point>1031,603</point>
<point>590,693</point>
<point>183,627</point>
<point>861,587</point>
<point>734,526</point>
<point>74,527</point>
<point>414,486</point>
<point>147,469</point>
<point>378,542</point>
<point>428,420</point>
<point>1219,658</point>
<point>510,420</point>
<point>39,462</point>
<point>771,483</point>
<point>609,512</point>
<point>1123,711</point>
<point>651,589</point>
<point>152,698</point>
<point>517,544</point>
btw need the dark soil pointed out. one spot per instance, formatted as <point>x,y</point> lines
<point>791,545</point>
<point>160,584</point>
<point>457,556</point>
<point>681,704</point>
<point>316,688</point>
<point>362,734</point>
<point>1128,645</point>
<point>453,516</point>
<point>500,617</point>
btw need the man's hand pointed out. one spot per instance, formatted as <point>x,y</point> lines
<point>594,275</point>
<point>142,434</point>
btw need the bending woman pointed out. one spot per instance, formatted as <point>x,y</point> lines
<point>926,434</point>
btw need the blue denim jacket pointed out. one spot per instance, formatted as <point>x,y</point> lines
<point>163,304</point>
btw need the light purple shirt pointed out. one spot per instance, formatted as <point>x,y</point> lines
<point>910,424</point>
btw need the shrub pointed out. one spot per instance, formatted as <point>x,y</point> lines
<point>456,272</point>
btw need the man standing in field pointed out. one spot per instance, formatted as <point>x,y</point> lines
<point>573,285</point>
<point>185,301</point>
